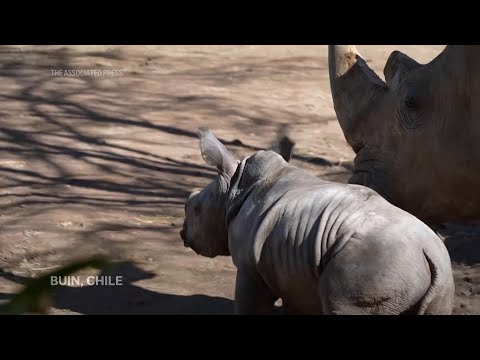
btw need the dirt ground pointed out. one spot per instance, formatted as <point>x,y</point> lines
<point>103,164</point>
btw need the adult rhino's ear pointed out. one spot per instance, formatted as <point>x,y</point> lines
<point>284,146</point>
<point>397,68</point>
<point>215,154</point>
<point>283,143</point>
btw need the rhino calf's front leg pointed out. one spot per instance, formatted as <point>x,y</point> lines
<point>252,296</point>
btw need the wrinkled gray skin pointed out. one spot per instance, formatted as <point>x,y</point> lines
<point>416,135</point>
<point>322,247</point>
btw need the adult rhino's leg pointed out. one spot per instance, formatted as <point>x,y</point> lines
<point>252,296</point>
<point>289,310</point>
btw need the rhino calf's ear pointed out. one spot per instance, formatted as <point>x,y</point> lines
<point>215,154</point>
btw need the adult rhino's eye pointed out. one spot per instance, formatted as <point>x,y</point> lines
<point>411,99</point>
<point>411,102</point>
<point>197,208</point>
<point>409,110</point>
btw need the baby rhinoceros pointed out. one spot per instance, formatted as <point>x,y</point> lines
<point>322,247</point>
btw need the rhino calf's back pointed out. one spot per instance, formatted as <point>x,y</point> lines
<point>328,248</point>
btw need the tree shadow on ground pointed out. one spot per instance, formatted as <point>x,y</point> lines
<point>58,134</point>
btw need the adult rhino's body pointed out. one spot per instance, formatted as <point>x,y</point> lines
<point>323,247</point>
<point>416,135</point>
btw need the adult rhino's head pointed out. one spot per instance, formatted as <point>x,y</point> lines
<point>417,135</point>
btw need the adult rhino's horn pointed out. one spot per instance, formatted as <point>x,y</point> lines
<point>355,89</point>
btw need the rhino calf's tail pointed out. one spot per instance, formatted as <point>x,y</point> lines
<point>436,300</point>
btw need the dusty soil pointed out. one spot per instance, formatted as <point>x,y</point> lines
<point>104,164</point>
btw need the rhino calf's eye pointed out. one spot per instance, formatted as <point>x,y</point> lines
<point>197,209</point>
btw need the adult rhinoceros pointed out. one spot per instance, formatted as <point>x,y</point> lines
<point>417,135</point>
